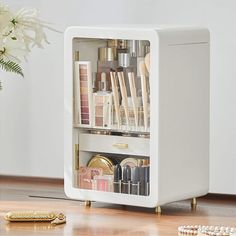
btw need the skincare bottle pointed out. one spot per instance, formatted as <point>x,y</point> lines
<point>102,104</point>
<point>106,59</point>
<point>125,65</point>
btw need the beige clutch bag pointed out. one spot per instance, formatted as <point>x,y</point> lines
<point>36,216</point>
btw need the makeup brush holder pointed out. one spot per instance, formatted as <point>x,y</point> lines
<point>163,74</point>
<point>132,124</point>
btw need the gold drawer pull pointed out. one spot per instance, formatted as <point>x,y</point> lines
<point>121,145</point>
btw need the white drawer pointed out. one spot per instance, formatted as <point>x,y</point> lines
<point>114,144</point>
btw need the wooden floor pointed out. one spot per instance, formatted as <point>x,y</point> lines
<point>104,219</point>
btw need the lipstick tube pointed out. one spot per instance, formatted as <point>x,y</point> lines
<point>117,178</point>
<point>147,186</point>
<point>135,178</point>
<point>144,180</point>
<point>126,184</point>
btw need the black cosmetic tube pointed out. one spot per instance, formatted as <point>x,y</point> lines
<point>117,178</point>
<point>147,187</point>
<point>126,184</point>
<point>135,187</point>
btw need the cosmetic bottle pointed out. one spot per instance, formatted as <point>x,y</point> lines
<point>118,45</point>
<point>135,186</point>
<point>133,49</point>
<point>126,65</point>
<point>126,184</point>
<point>106,59</point>
<point>117,178</point>
<point>102,104</point>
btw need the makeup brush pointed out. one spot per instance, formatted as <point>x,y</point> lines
<point>116,96</point>
<point>133,96</point>
<point>124,95</point>
<point>147,62</point>
<point>144,93</point>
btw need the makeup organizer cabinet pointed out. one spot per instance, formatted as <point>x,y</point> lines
<point>136,124</point>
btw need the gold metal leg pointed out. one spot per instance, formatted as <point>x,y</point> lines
<point>158,210</point>
<point>194,203</point>
<point>87,203</point>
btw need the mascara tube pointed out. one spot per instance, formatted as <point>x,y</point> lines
<point>126,184</point>
<point>117,178</point>
<point>135,178</point>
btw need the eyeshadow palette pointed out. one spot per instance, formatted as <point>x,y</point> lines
<point>87,175</point>
<point>83,79</point>
<point>102,109</point>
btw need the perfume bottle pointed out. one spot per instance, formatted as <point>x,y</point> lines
<point>102,104</point>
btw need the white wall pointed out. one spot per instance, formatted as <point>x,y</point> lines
<point>31,109</point>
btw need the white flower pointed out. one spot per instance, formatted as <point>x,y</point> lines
<point>19,32</point>
<point>5,17</point>
<point>12,50</point>
<point>25,26</point>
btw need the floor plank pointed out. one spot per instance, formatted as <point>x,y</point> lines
<point>104,219</point>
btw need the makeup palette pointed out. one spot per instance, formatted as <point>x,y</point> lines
<point>84,82</point>
<point>87,175</point>
<point>102,110</point>
<point>103,183</point>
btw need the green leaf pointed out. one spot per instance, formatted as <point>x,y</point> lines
<point>11,66</point>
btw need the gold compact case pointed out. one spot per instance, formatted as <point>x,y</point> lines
<point>102,162</point>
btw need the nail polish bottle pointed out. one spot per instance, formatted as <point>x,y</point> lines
<point>117,178</point>
<point>126,184</point>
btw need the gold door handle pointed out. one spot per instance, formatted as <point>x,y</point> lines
<point>121,145</point>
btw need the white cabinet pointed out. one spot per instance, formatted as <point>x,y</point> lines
<point>136,98</point>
